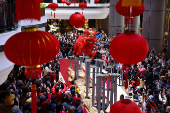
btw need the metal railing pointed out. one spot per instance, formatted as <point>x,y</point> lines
<point>7,16</point>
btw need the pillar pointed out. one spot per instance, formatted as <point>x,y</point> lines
<point>153,23</point>
<point>93,87</point>
<point>81,61</point>
<point>71,57</point>
<point>87,74</point>
<point>54,1</point>
<point>75,65</point>
<point>116,21</point>
<point>91,1</point>
<point>97,71</point>
<point>136,24</point>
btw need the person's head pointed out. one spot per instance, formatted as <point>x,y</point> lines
<point>53,98</point>
<point>77,103</point>
<point>121,96</point>
<point>65,98</point>
<point>57,88</point>
<point>59,107</point>
<point>71,110</point>
<point>70,99</point>
<point>44,91</point>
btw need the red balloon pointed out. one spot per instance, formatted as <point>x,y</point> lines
<point>82,5</point>
<point>128,48</point>
<point>68,3</point>
<point>63,1</point>
<point>31,47</point>
<point>77,19</point>
<point>125,106</point>
<point>53,6</point>
<point>96,1</point>
<point>129,11</point>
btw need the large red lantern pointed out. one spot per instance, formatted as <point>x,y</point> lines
<point>82,6</point>
<point>125,106</point>
<point>77,19</point>
<point>129,11</point>
<point>31,47</point>
<point>128,48</point>
<point>28,9</point>
<point>63,1</point>
<point>53,6</point>
<point>68,3</point>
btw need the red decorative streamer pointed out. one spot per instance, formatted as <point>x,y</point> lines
<point>54,14</point>
<point>34,98</point>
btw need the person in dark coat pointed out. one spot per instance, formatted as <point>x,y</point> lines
<point>149,77</point>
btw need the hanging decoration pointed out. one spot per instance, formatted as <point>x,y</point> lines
<point>125,106</point>
<point>28,9</point>
<point>77,19</point>
<point>82,6</point>
<point>31,48</point>
<point>68,3</point>
<point>130,9</point>
<point>96,1</point>
<point>75,1</point>
<point>129,48</point>
<point>53,6</point>
<point>63,1</point>
<point>84,45</point>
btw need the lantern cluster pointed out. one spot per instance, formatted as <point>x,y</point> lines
<point>129,9</point>
<point>53,6</point>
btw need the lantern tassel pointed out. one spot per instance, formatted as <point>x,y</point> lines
<point>54,14</point>
<point>51,13</point>
<point>34,98</point>
<point>82,12</point>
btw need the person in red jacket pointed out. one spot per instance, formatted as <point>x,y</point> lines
<point>58,92</point>
<point>44,101</point>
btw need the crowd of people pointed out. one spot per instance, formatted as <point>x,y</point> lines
<point>54,96</point>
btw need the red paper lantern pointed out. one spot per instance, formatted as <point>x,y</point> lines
<point>77,19</point>
<point>125,106</point>
<point>28,9</point>
<point>96,1</point>
<point>68,3</point>
<point>31,47</point>
<point>53,6</point>
<point>63,1</point>
<point>86,33</point>
<point>82,6</point>
<point>129,11</point>
<point>128,48</point>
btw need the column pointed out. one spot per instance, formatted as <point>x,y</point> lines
<point>81,61</point>
<point>54,1</point>
<point>112,90</point>
<point>116,21</point>
<point>93,87</point>
<point>75,65</point>
<point>91,1</point>
<point>97,71</point>
<point>99,77</point>
<point>153,23</point>
<point>136,24</point>
<point>115,87</point>
<point>87,74</point>
<point>77,69</point>
<point>71,57</point>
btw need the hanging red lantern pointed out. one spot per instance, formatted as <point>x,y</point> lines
<point>53,6</point>
<point>82,6</point>
<point>68,3</point>
<point>86,33</point>
<point>128,48</point>
<point>125,106</point>
<point>63,1</point>
<point>77,19</point>
<point>129,11</point>
<point>96,1</point>
<point>28,9</point>
<point>31,47</point>
<point>75,1</point>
